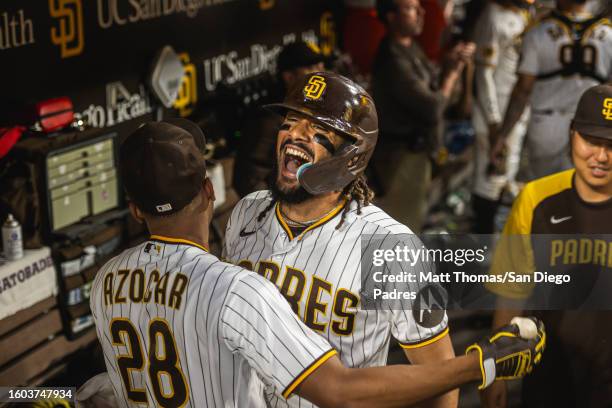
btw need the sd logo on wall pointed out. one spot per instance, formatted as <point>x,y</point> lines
<point>328,34</point>
<point>188,92</point>
<point>68,30</point>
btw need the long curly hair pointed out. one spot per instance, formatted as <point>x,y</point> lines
<point>359,191</point>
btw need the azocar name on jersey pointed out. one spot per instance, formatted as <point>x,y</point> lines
<point>133,285</point>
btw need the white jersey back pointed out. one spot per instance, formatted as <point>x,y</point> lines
<point>319,272</point>
<point>544,47</point>
<point>180,328</point>
<point>498,40</point>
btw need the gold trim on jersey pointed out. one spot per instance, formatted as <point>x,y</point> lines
<point>170,240</point>
<point>307,371</point>
<point>589,31</point>
<point>424,343</point>
<point>536,192</point>
<point>281,220</point>
<point>516,234</point>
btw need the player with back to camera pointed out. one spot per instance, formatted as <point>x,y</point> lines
<point>180,328</point>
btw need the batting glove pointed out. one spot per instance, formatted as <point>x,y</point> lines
<point>510,352</point>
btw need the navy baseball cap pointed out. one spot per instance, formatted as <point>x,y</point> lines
<point>162,166</point>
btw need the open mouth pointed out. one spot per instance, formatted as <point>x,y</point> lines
<point>293,158</point>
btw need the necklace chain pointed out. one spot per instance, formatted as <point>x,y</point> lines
<point>294,223</point>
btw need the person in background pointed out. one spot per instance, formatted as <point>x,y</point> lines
<point>564,54</point>
<point>255,156</point>
<point>497,36</point>
<point>411,96</point>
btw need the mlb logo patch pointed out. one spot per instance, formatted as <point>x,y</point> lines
<point>164,208</point>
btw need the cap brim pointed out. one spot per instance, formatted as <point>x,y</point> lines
<point>603,132</point>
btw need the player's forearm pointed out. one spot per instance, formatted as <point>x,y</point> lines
<point>400,385</point>
<point>466,101</point>
<point>518,102</point>
<point>438,351</point>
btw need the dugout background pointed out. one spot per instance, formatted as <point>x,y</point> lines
<point>99,53</point>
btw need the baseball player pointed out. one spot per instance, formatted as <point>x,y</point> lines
<point>564,54</point>
<point>180,328</point>
<point>497,37</point>
<point>551,211</point>
<point>305,234</point>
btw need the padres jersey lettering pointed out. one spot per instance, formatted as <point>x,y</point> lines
<point>551,205</point>
<point>319,273</point>
<point>180,328</point>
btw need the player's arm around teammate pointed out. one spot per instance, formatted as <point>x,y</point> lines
<point>499,355</point>
<point>319,130</point>
<point>436,351</point>
<point>243,323</point>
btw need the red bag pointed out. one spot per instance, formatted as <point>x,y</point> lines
<point>8,138</point>
<point>54,114</point>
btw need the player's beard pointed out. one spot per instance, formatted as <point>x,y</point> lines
<point>294,195</point>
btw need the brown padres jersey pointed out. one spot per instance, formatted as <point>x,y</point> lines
<point>564,233</point>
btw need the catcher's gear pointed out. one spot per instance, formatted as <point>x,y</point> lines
<point>342,106</point>
<point>510,352</point>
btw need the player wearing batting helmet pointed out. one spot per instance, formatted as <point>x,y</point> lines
<point>304,235</point>
<point>180,328</point>
<point>568,219</point>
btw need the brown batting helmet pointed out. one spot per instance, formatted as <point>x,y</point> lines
<point>341,105</point>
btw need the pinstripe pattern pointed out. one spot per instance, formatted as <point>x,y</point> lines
<point>334,256</point>
<point>235,335</point>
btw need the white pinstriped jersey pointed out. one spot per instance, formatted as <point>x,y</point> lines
<point>544,47</point>
<point>180,328</point>
<point>319,272</point>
